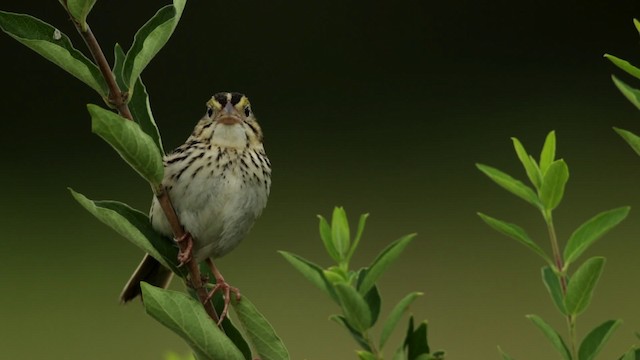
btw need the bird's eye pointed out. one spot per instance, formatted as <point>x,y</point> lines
<point>247,111</point>
<point>209,111</point>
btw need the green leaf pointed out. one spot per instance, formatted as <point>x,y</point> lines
<point>624,65</point>
<point>632,354</point>
<point>595,340</point>
<point>141,112</point>
<point>552,283</point>
<point>528,163</point>
<point>357,335</point>
<point>54,46</point>
<point>340,233</point>
<point>592,230</point>
<point>632,139</point>
<point>632,94</point>
<point>118,63</point>
<point>79,9</point>
<point>553,183</point>
<point>188,319</point>
<point>228,327</point>
<point>504,355</point>
<point>552,335</point>
<point>356,241</point>
<point>134,226</point>
<point>131,143</point>
<point>548,153</point>
<point>399,354</point>
<point>365,355</point>
<point>312,272</point>
<point>372,297</point>
<point>382,262</point>
<point>151,37</point>
<point>416,341</point>
<point>325,235</point>
<point>354,307</point>
<point>395,315</point>
<point>260,333</point>
<point>582,284</point>
<point>510,184</point>
<point>515,232</point>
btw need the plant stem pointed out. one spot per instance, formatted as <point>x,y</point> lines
<point>372,345</point>
<point>571,320</point>
<point>557,257</point>
<point>118,100</point>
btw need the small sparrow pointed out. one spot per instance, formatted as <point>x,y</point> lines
<point>218,182</point>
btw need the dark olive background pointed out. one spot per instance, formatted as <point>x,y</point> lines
<point>379,106</point>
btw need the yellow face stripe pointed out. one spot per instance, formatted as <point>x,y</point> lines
<point>215,103</point>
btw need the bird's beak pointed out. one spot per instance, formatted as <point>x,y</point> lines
<point>229,115</point>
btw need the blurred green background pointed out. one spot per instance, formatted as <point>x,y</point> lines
<point>379,106</point>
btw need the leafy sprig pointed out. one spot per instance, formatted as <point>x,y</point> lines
<point>570,292</point>
<point>356,291</point>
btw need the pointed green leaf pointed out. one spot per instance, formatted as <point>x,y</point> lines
<point>515,232</point>
<point>395,315</point>
<point>399,354</point>
<point>325,235</point>
<point>529,165</point>
<point>595,340</point>
<point>340,233</point>
<point>504,355</point>
<point>552,283</point>
<point>382,262</point>
<point>151,37</point>
<point>118,63</point>
<point>54,46</point>
<point>187,318</point>
<point>624,65</point>
<point>259,332</point>
<point>510,184</point>
<point>79,9</point>
<point>553,183</point>
<point>632,139</point>
<point>632,94</point>
<point>357,335</point>
<point>372,297</point>
<point>365,355</point>
<point>131,143</point>
<point>354,307</point>
<point>311,271</point>
<point>552,335</point>
<point>592,230</point>
<point>135,227</point>
<point>356,241</point>
<point>548,153</point>
<point>229,328</point>
<point>632,354</point>
<point>141,112</point>
<point>416,340</point>
<point>582,284</point>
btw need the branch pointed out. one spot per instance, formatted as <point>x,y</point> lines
<point>118,100</point>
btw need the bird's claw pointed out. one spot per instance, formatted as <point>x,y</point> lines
<point>184,255</point>
<point>226,290</point>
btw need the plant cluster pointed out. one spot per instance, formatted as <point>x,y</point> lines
<point>356,292</point>
<point>570,291</point>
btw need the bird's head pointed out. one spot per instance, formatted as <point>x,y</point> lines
<point>229,122</point>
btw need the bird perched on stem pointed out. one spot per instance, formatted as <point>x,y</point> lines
<point>218,182</point>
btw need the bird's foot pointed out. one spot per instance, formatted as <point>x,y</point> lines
<point>222,286</point>
<point>184,255</point>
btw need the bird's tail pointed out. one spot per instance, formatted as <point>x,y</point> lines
<point>150,271</point>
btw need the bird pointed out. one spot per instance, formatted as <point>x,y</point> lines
<point>218,182</point>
